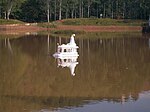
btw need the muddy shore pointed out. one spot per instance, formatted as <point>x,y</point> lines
<point>22,29</point>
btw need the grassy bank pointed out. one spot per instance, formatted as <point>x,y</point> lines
<point>66,32</point>
<point>101,35</point>
<point>47,25</point>
<point>77,26</point>
<point>11,21</point>
<point>101,22</point>
<point>92,22</point>
<point>82,21</point>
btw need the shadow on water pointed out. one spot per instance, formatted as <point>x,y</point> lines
<point>112,69</point>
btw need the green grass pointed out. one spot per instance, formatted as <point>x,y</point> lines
<point>96,35</point>
<point>66,32</point>
<point>93,35</point>
<point>47,25</point>
<point>82,21</point>
<point>101,22</point>
<point>62,33</point>
<point>92,21</point>
<point>11,21</point>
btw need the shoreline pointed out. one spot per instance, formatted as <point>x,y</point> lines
<point>18,29</point>
<point>92,28</point>
<point>23,29</point>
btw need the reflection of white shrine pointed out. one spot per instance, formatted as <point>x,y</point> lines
<point>67,55</point>
<point>69,62</point>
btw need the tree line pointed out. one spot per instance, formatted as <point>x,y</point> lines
<point>50,10</point>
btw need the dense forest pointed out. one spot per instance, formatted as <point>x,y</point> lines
<point>50,10</point>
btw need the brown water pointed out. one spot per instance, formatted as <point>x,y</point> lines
<point>111,75</point>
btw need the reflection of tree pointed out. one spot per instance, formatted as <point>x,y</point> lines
<point>117,67</point>
<point>11,65</point>
<point>30,103</point>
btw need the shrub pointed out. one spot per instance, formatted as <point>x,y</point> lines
<point>11,21</point>
<point>67,32</point>
<point>102,22</point>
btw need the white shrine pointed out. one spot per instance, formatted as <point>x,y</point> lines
<point>67,55</point>
<point>69,49</point>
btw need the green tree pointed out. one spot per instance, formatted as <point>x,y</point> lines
<point>47,10</point>
<point>33,11</point>
<point>9,5</point>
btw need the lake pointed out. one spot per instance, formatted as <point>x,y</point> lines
<point>112,74</point>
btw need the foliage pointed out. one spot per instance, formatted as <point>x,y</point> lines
<point>49,10</point>
<point>67,32</point>
<point>31,13</point>
<point>8,6</point>
<point>103,22</point>
<point>47,25</point>
<point>11,21</point>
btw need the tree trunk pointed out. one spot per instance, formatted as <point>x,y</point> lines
<point>5,15</point>
<point>60,3</point>
<point>0,12</point>
<point>9,10</point>
<point>50,14</point>
<point>75,16</point>
<point>82,9</point>
<point>124,10</point>
<point>72,12</point>
<point>88,11</point>
<point>104,13</point>
<point>8,14</point>
<point>149,21</point>
<point>55,11</point>
<point>89,5</point>
<point>97,11</point>
<point>66,12</point>
<point>112,11</point>
<point>80,4</point>
<point>48,11</point>
<point>117,11</point>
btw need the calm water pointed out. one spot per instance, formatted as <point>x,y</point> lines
<point>111,75</point>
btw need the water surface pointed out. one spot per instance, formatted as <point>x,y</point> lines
<point>111,75</point>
